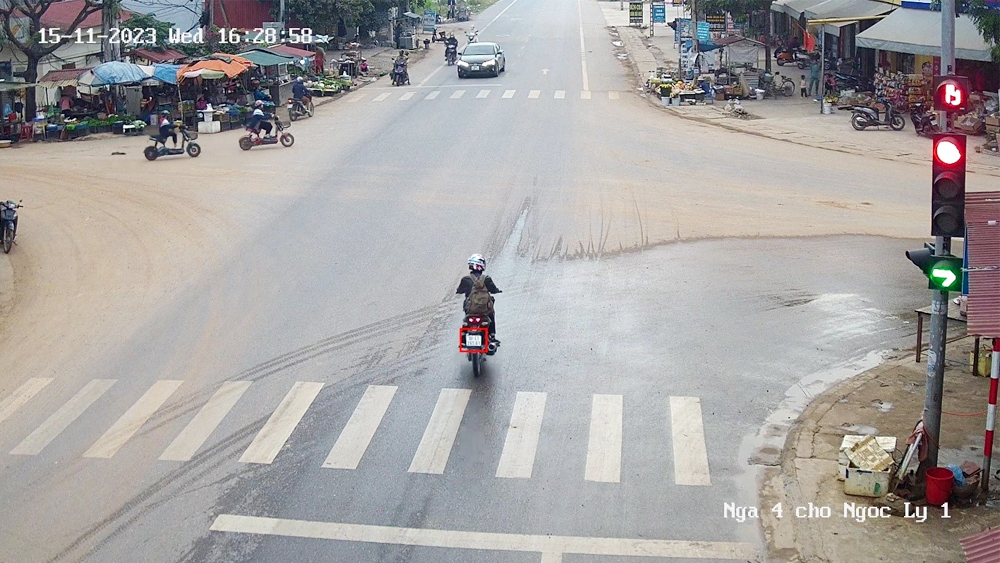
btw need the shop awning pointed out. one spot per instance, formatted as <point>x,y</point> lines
<point>918,32</point>
<point>216,66</point>
<point>261,57</point>
<point>61,77</point>
<point>9,86</point>
<point>831,9</point>
<point>166,73</point>
<point>294,52</point>
<point>795,8</point>
<point>158,55</point>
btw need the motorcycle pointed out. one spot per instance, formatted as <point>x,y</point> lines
<point>253,139</point>
<point>798,57</point>
<point>159,146</point>
<point>837,81</point>
<point>474,341</point>
<point>297,109</point>
<point>8,223</point>
<point>472,35</point>
<point>864,117</point>
<point>399,75</point>
<point>451,54</point>
<point>924,122</point>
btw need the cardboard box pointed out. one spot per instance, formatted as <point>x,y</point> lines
<point>209,126</point>
<point>887,443</point>
<point>862,483</point>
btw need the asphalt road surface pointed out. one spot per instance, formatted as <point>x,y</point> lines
<point>251,356</point>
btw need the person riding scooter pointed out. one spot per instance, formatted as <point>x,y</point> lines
<point>260,120</point>
<point>167,128</point>
<point>301,94</point>
<point>451,52</point>
<point>399,68</point>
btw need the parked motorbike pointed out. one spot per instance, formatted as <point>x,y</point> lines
<point>924,122</point>
<point>451,54</point>
<point>797,57</point>
<point>399,75</point>
<point>837,81</point>
<point>253,138</point>
<point>8,223</point>
<point>865,117</point>
<point>159,146</point>
<point>474,341</point>
<point>297,109</point>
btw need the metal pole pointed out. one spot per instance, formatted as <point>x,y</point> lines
<point>991,415</point>
<point>822,70</point>
<point>651,22</point>
<point>935,363</point>
<point>694,38</point>
<point>947,50</point>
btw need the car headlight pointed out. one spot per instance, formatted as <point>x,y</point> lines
<point>490,63</point>
<point>463,63</point>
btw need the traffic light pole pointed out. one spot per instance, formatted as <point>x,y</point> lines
<point>935,363</point>
<point>947,52</point>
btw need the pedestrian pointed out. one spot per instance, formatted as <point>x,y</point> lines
<point>803,89</point>
<point>814,70</point>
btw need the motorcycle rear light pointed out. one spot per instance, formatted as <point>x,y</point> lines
<point>475,319</point>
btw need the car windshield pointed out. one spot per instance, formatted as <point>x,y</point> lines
<point>478,50</point>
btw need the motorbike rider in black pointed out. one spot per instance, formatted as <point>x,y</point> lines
<point>300,93</point>
<point>399,66</point>
<point>477,267</point>
<point>451,44</point>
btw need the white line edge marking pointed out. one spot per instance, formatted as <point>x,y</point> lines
<point>60,420</point>
<point>583,47</point>
<point>439,435</point>
<point>551,557</point>
<point>521,444</point>
<point>357,434</point>
<point>22,395</point>
<point>201,427</point>
<point>134,418</point>
<point>435,71</point>
<point>491,541</point>
<point>690,449</point>
<point>279,427</point>
<point>495,18</point>
<point>604,444</point>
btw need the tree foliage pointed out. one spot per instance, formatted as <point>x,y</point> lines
<point>323,15</point>
<point>987,20</point>
<point>147,21</point>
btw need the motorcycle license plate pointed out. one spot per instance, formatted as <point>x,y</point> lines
<point>473,340</point>
<point>475,67</point>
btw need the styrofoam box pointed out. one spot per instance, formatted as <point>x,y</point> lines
<point>887,443</point>
<point>209,126</point>
<point>864,483</point>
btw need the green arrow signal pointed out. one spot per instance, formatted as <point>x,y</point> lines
<point>945,278</point>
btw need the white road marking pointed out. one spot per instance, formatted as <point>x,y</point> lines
<point>509,94</point>
<point>194,435</point>
<point>129,423</point>
<point>690,451</point>
<point>357,435</point>
<point>490,541</point>
<point>551,557</point>
<point>22,395</point>
<point>406,96</point>
<point>583,46</point>
<point>495,18</point>
<point>457,94</point>
<point>534,94</point>
<point>604,449</point>
<point>518,457</point>
<point>613,95</point>
<point>283,420</point>
<point>585,95</point>
<point>380,97</point>
<point>439,436</point>
<point>62,418</point>
<point>433,95</point>
<point>428,77</point>
<point>483,94</point>
<point>560,94</point>
<point>355,98</point>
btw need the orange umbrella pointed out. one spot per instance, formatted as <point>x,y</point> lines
<point>235,66</point>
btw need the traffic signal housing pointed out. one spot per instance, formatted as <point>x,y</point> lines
<point>951,93</point>
<point>948,186</point>
<point>944,273</point>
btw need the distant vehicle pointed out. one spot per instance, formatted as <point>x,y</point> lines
<point>481,58</point>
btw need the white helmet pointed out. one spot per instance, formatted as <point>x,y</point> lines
<point>477,262</point>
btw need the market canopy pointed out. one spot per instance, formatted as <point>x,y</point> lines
<point>115,72</point>
<point>216,66</point>
<point>842,9</point>
<point>918,32</point>
<point>166,73</point>
<point>61,77</point>
<point>262,57</point>
<point>13,86</point>
<point>794,8</point>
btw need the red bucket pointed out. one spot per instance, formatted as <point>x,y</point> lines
<point>940,480</point>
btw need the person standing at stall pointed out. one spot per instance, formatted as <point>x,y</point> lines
<point>814,69</point>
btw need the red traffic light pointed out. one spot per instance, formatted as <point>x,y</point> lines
<point>946,151</point>
<point>951,93</point>
<point>948,187</point>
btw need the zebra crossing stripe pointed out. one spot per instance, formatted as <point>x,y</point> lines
<point>604,448</point>
<point>406,96</point>
<point>356,436</point>
<point>457,94</point>
<point>560,94</point>
<point>283,420</point>
<point>690,453</point>
<point>585,94</point>
<point>129,423</point>
<point>439,436</point>
<point>482,94</point>
<point>613,95</point>
<point>62,418</point>
<point>518,457</point>
<point>194,435</point>
<point>355,98</point>
<point>508,94</point>
<point>22,395</point>
<point>380,97</point>
<point>533,95</point>
<point>433,95</point>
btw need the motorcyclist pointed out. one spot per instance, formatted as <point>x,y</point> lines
<point>167,128</point>
<point>477,267</point>
<point>300,93</point>
<point>259,119</point>
<point>472,34</point>
<point>399,67</point>
<point>450,46</point>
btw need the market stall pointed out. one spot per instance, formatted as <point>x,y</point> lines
<point>217,83</point>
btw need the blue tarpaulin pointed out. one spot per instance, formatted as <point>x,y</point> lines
<point>120,73</point>
<point>166,72</point>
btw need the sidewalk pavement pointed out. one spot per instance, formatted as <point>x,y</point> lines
<point>884,401</point>
<point>794,120</point>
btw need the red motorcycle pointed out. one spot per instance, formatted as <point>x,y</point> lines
<point>474,341</point>
<point>253,137</point>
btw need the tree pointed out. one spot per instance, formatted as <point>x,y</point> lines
<point>30,43</point>
<point>322,15</point>
<point>987,20</point>
<point>147,21</point>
